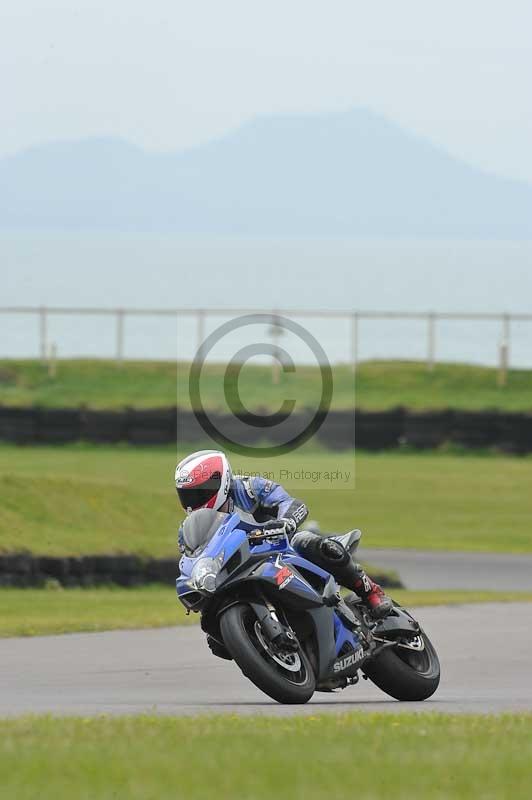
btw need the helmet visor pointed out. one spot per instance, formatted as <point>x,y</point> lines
<point>197,496</point>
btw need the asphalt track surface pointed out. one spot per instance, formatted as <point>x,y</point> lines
<point>439,569</point>
<point>485,650</point>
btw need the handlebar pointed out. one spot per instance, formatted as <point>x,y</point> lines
<point>258,535</point>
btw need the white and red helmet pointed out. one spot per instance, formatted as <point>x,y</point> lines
<point>203,480</point>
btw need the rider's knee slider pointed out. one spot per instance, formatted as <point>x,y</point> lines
<point>325,552</point>
<point>334,552</point>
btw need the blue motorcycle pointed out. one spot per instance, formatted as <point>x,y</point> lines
<point>284,621</point>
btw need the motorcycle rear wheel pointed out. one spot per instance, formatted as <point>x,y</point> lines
<point>406,674</point>
<point>287,678</point>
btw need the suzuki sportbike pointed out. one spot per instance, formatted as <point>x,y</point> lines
<point>284,620</point>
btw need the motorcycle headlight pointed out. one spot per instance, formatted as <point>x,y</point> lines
<point>204,573</point>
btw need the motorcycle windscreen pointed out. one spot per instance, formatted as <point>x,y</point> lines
<point>199,528</point>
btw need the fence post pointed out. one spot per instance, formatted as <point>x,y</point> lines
<point>119,336</point>
<point>504,351</point>
<point>354,341</point>
<point>43,334</point>
<point>52,362</point>
<point>506,334</point>
<point>431,340</point>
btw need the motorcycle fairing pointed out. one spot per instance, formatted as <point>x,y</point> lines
<point>397,624</point>
<point>261,564</point>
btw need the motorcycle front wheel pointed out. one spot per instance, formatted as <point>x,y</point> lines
<point>287,677</point>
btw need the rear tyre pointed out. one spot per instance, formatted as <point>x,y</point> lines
<point>285,677</point>
<point>406,674</point>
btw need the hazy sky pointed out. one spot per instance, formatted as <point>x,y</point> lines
<point>168,74</point>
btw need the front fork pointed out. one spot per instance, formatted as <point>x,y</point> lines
<point>280,636</point>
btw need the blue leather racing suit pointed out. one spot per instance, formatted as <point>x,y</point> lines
<point>265,500</point>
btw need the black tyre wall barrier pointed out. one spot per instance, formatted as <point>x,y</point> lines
<point>24,569</point>
<point>510,432</point>
<point>152,427</point>
<point>104,427</point>
<point>379,430</point>
<point>515,433</point>
<point>339,430</point>
<point>18,425</point>
<point>59,426</point>
<point>427,429</point>
<point>475,429</point>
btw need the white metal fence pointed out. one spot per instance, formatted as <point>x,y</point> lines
<point>355,320</point>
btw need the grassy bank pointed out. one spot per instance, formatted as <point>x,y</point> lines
<point>305,758</point>
<point>40,612</point>
<point>149,384</point>
<point>83,499</point>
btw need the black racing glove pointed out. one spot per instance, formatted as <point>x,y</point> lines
<point>279,527</point>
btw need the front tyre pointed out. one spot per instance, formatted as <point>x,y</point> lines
<point>407,673</point>
<point>285,677</point>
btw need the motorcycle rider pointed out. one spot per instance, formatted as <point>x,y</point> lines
<point>204,480</point>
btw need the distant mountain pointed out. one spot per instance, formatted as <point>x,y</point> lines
<point>352,173</point>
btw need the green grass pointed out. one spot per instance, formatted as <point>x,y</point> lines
<point>150,384</point>
<point>40,612</point>
<point>82,499</point>
<point>362,755</point>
